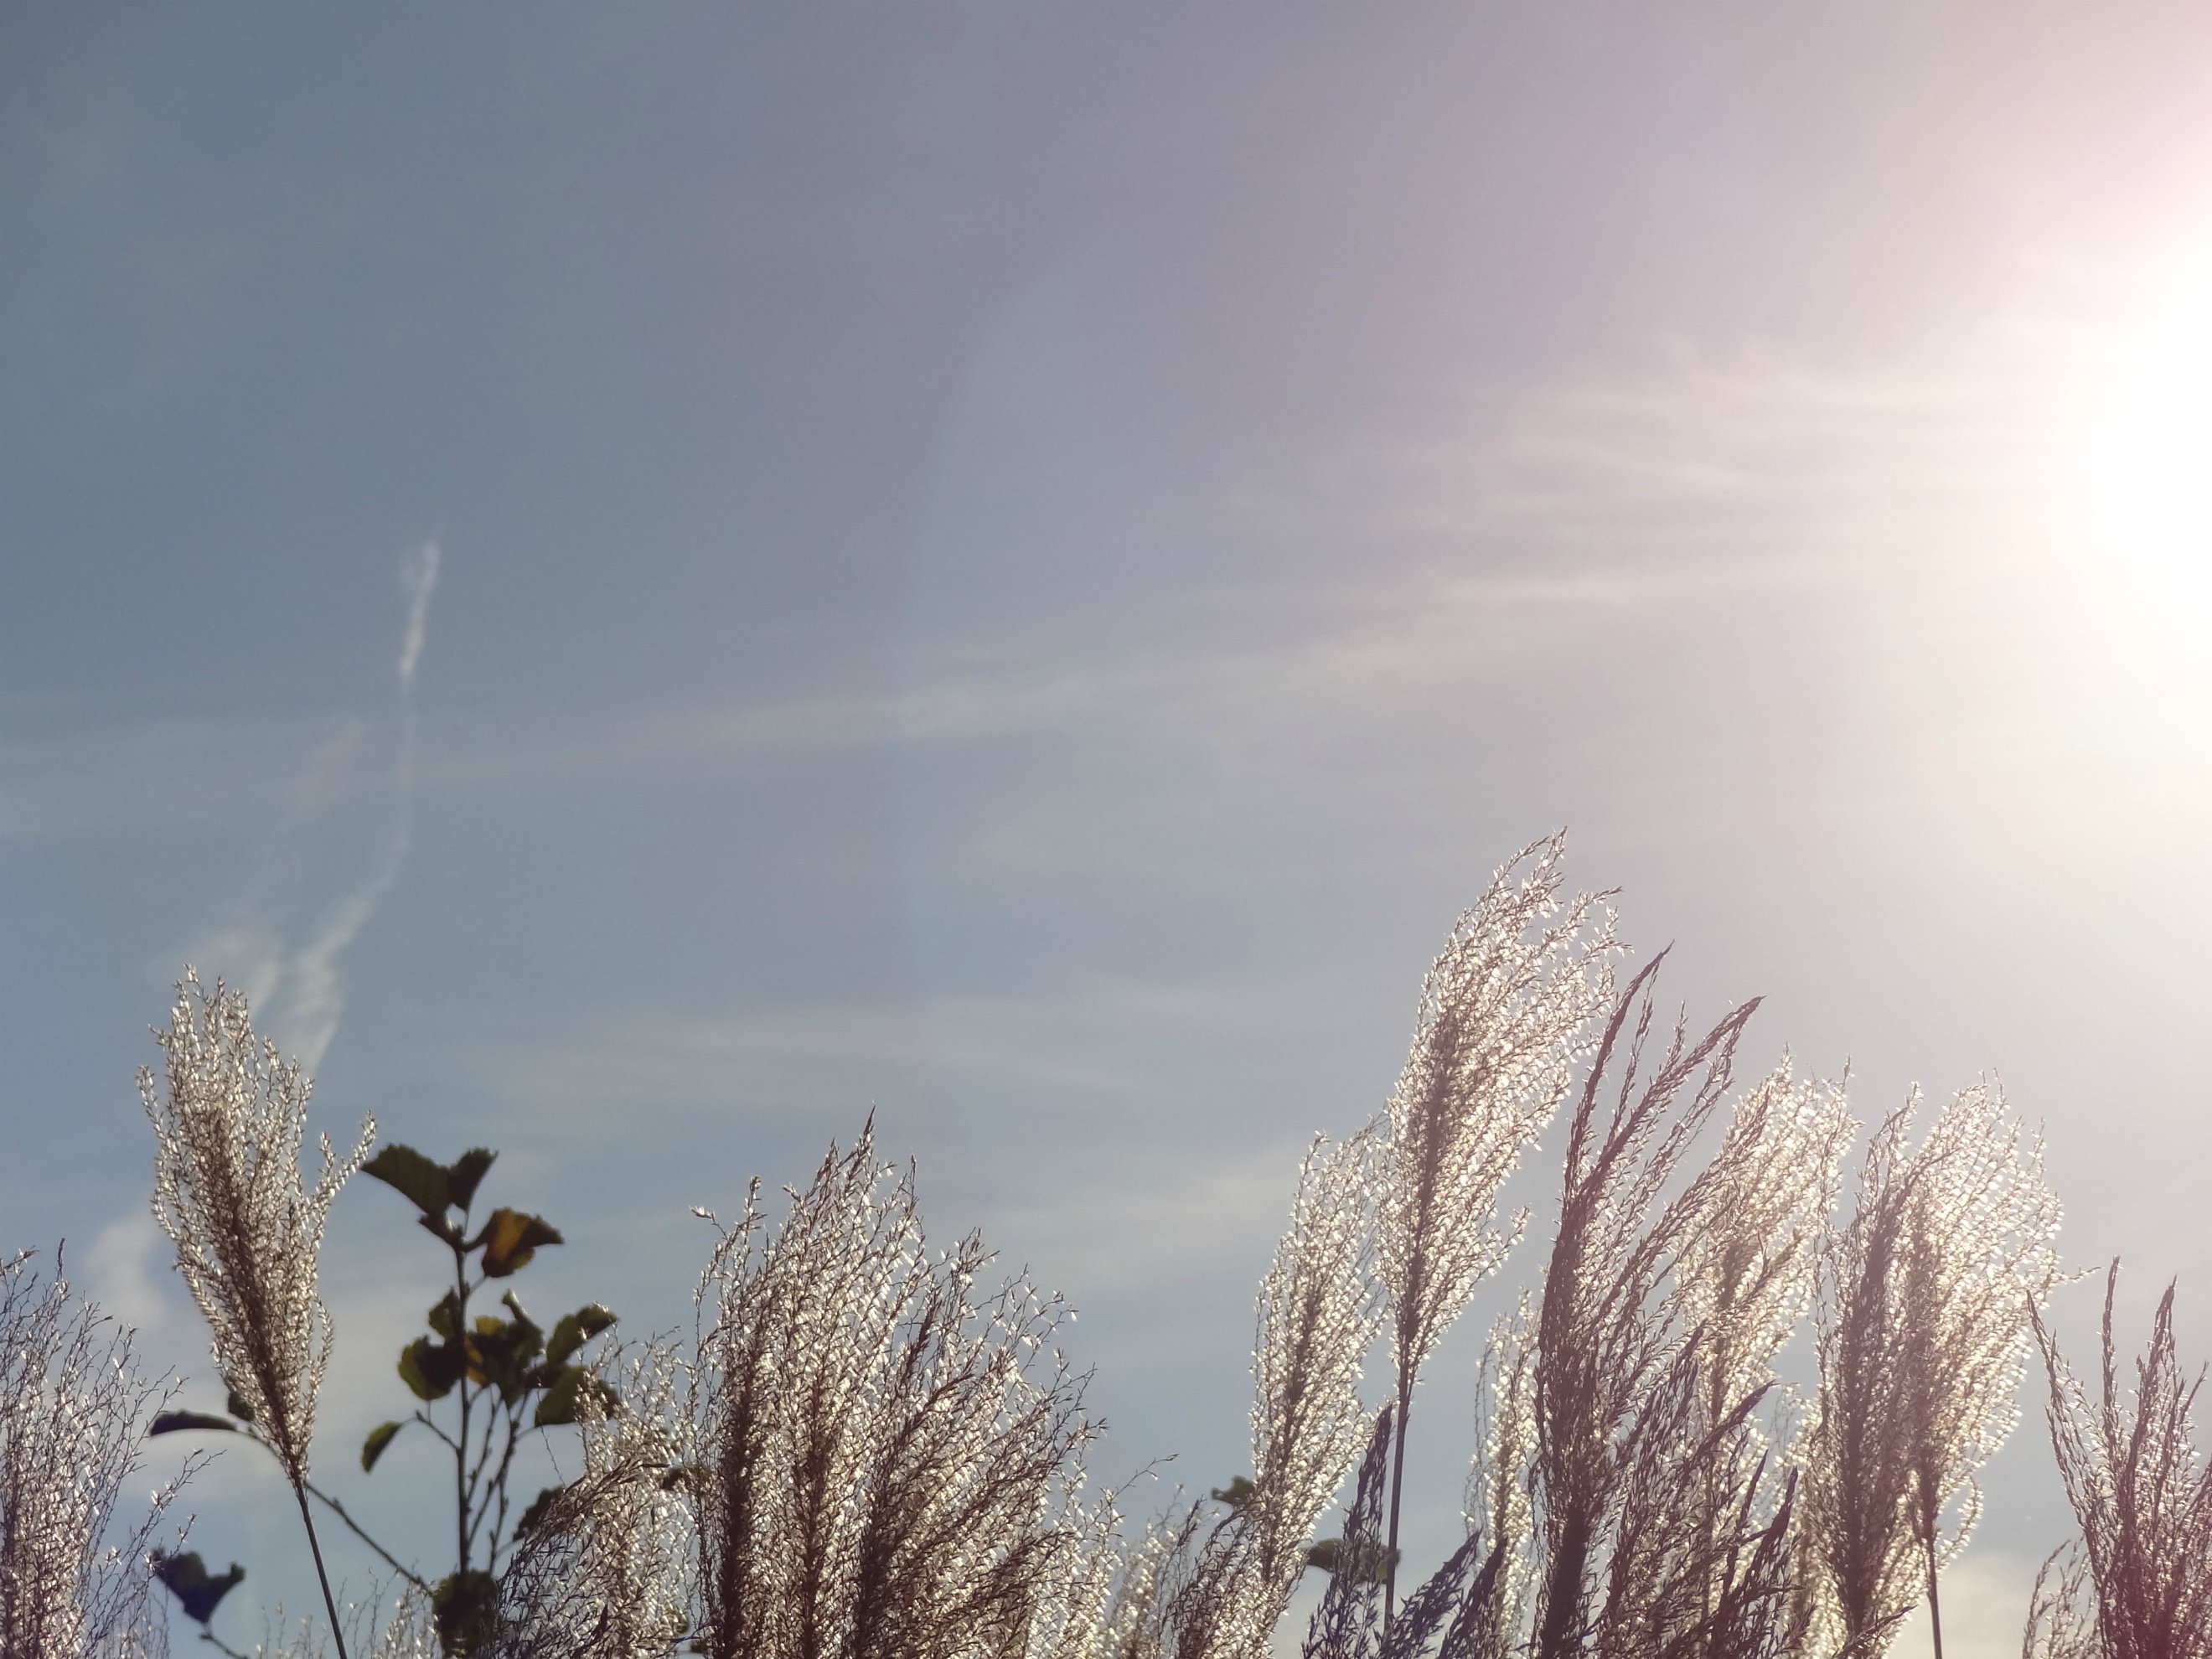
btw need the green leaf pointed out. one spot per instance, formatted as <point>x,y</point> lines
<point>171,1422</point>
<point>439,1227</point>
<point>234,1403</point>
<point>572,1331</point>
<point>189,1581</point>
<point>378,1438</point>
<point>429,1368</point>
<point>566,1394</point>
<point>466,1171</point>
<point>413,1175</point>
<point>510,1238</point>
<point>1236,1494</point>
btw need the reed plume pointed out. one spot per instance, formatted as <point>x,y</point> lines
<point>1502,1019</point>
<point>888,1456</point>
<point>228,1192</point>
<point>1318,1314</point>
<point>1152,1576</point>
<point>605,1572</point>
<point>2062,1618</point>
<point>2141,1493</point>
<point>70,1403</point>
<point>1700,1548</point>
<point>1927,1299</point>
<point>1613,1365</point>
<point>1499,1501</point>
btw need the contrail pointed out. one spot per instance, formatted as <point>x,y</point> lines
<point>418,580</point>
<point>315,998</point>
<point>299,991</point>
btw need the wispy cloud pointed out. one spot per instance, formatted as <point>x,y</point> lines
<point>1541,521</point>
<point>418,580</point>
<point>296,988</point>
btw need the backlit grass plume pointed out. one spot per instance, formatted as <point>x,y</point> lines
<point>1616,1368</point>
<point>70,1406</point>
<point>1221,1587</point>
<point>229,1115</point>
<point>1317,1317</point>
<point>1927,1298</point>
<point>2141,1585</point>
<point>1503,1015</point>
<point>887,1454</point>
<point>607,1568</point>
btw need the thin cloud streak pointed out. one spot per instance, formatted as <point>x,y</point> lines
<point>1551,514</point>
<point>315,999</point>
<point>299,991</point>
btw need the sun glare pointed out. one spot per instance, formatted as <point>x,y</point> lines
<point>2147,475</point>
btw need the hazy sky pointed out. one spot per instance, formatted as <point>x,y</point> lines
<point>651,579</point>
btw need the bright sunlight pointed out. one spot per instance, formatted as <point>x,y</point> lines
<point>2147,475</point>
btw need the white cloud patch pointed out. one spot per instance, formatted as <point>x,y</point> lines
<point>126,1270</point>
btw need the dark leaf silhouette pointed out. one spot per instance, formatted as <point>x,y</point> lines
<point>465,1173</point>
<point>571,1331</point>
<point>378,1438</point>
<point>415,1178</point>
<point>510,1238</point>
<point>196,1591</point>
<point>171,1422</point>
<point>430,1368</point>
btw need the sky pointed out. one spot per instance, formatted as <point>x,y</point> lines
<point>653,581</point>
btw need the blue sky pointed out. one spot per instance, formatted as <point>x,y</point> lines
<point>1014,566</point>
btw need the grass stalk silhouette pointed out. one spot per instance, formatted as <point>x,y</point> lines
<point>2139,1585</point>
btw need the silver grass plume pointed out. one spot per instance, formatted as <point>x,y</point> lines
<point>1748,1263</point>
<point>1151,1574</point>
<point>408,1631</point>
<point>1726,1573</point>
<point>1503,1015</point>
<point>1318,1315</point>
<point>1615,1357</point>
<point>1085,1611</point>
<point>888,1456</point>
<point>228,1192</point>
<point>1702,1545</point>
<point>2139,1583</point>
<point>2062,1614</point>
<point>71,1401</point>
<point>1498,1505</point>
<point>1926,1301</point>
<point>1227,1585</point>
<point>607,1572</point>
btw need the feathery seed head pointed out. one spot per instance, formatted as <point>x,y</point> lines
<point>1318,1314</point>
<point>70,1400</point>
<point>1505,1012</point>
<point>1926,1300</point>
<point>228,1117</point>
